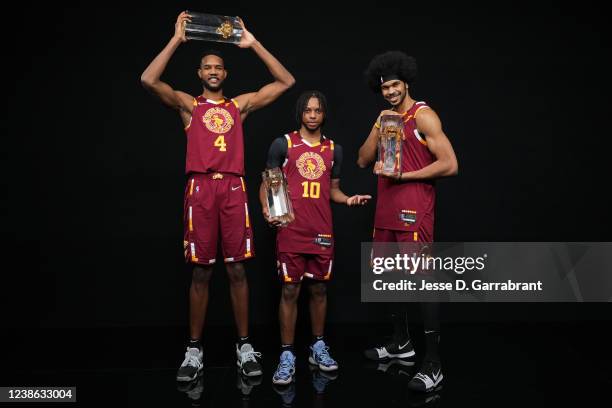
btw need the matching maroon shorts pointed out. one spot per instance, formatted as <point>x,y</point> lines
<point>293,267</point>
<point>216,206</point>
<point>411,242</point>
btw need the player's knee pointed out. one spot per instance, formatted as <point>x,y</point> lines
<point>236,273</point>
<point>290,293</point>
<point>200,275</point>
<point>318,291</point>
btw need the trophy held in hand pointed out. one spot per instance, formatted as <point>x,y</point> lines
<point>390,144</point>
<point>212,27</point>
<point>277,196</point>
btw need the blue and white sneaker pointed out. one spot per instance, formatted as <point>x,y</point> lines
<point>319,356</point>
<point>285,370</point>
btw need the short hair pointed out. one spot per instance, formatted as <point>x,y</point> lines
<point>391,63</point>
<point>212,51</point>
<point>302,102</point>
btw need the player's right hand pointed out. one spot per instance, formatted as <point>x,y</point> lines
<point>179,26</point>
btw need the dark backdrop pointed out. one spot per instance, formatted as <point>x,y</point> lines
<point>93,165</point>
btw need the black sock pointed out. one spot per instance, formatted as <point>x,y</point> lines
<point>287,347</point>
<point>432,339</point>
<point>400,325</point>
<point>242,340</point>
<point>195,344</point>
<point>316,338</point>
<point>431,323</point>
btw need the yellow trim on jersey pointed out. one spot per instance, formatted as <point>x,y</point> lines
<point>195,102</point>
<point>191,187</point>
<point>415,236</point>
<point>289,144</point>
<point>418,109</point>
<point>377,125</point>
<point>242,181</point>
<point>331,145</point>
<point>235,103</point>
<point>316,144</point>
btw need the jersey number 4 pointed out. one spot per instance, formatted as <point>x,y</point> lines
<point>311,189</point>
<point>220,143</point>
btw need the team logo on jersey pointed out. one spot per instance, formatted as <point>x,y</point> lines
<point>218,120</point>
<point>310,165</point>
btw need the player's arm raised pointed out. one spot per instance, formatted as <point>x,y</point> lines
<point>283,79</point>
<point>150,78</point>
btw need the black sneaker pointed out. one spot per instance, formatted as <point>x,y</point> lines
<point>191,366</point>
<point>247,360</point>
<point>393,349</point>
<point>429,377</point>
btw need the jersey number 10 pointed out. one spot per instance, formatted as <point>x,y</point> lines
<point>311,189</point>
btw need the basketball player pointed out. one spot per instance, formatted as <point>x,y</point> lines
<point>305,247</point>
<point>405,204</point>
<point>215,195</point>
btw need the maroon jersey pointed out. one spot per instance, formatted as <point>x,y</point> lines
<point>406,206</point>
<point>308,170</point>
<point>214,138</point>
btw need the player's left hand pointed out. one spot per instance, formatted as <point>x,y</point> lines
<point>378,170</point>
<point>358,200</point>
<point>247,39</point>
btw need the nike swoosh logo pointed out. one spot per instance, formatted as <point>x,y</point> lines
<point>296,145</point>
<point>435,376</point>
<point>402,347</point>
<point>235,188</point>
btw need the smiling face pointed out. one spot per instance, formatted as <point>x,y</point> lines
<point>313,115</point>
<point>394,91</point>
<point>212,72</point>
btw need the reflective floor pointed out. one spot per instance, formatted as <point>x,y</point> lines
<point>483,365</point>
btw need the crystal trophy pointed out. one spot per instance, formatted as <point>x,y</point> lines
<point>212,27</point>
<point>277,196</point>
<point>390,144</point>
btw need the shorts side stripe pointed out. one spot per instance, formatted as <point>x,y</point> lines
<point>190,219</point>
<point>246,213</point>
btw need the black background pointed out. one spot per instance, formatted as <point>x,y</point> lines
<point>93,165</point>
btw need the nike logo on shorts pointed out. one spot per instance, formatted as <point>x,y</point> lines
<point>235,188</point>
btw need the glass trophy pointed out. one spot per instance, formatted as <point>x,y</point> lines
<point>277,196</point>
<point>390,144</point>
<point>212,27</point>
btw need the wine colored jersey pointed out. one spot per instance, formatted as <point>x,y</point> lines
<point>214,138</point>
<point>308,170</point>
<point>406,206</point>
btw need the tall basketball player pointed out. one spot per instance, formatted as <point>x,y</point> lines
<point>305,247</point>
<point>405,204</point>
<point>215,195</point>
